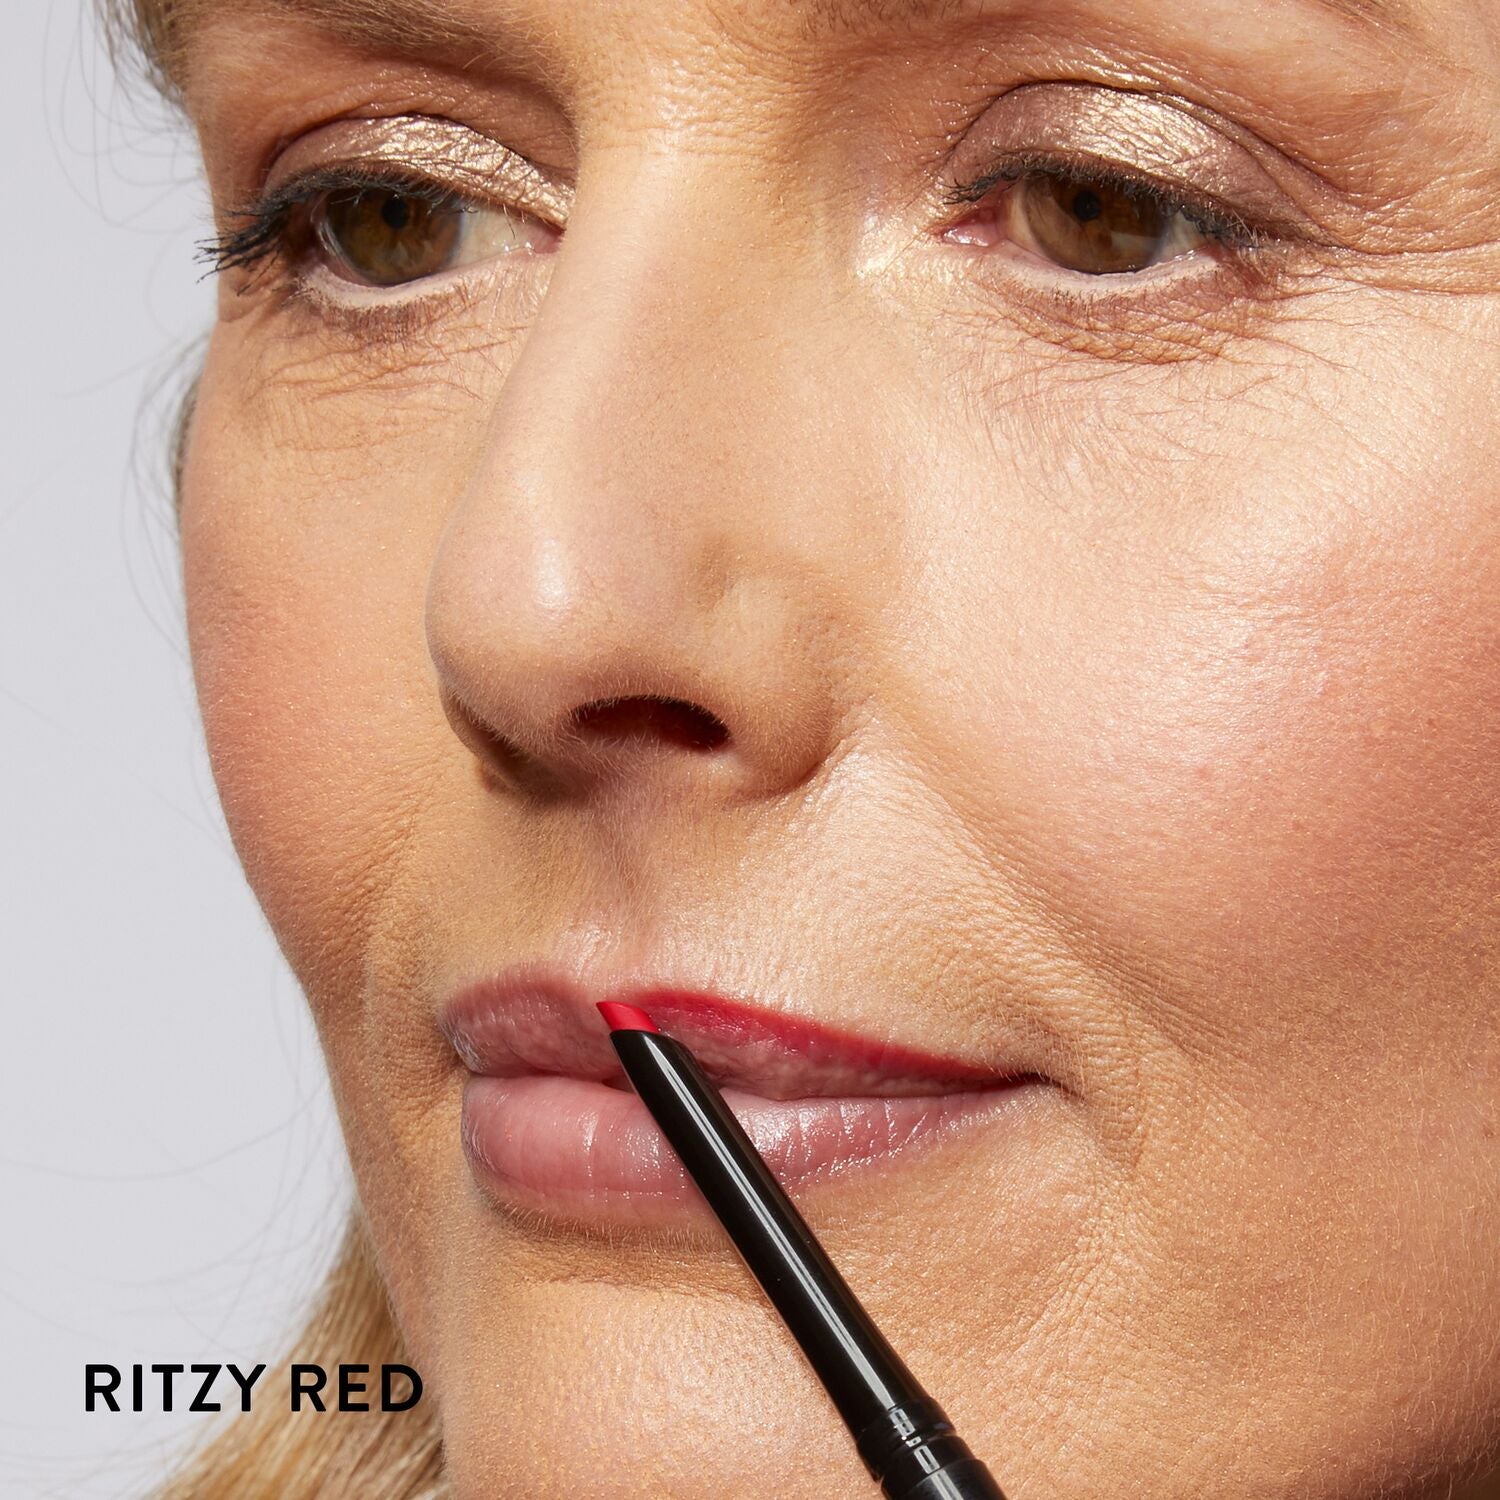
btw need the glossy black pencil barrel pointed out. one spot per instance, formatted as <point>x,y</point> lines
<point>901,1433</point>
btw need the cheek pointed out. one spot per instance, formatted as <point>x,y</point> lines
<point>1242,767</point>
<point>305,571</point>
<point>305,586</point>
<point>1257,763</point>
<point>1308,787</point>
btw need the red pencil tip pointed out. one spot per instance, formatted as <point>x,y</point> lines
<point>625,1017</point>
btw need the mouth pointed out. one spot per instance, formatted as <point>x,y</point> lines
<point>551,1124</point>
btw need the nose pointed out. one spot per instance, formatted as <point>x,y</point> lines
<point>628,590</point>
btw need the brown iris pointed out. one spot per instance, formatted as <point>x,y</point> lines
<point>387,237</point>
<point>1092,227</point>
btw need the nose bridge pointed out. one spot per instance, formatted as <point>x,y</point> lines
<point>628,530</point>
<point>663,338</point>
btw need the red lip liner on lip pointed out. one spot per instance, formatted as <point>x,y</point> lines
<point>902,1434</point>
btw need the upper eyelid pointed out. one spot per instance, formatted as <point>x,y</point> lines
<point>1170,143</point>
<point>427,148</point>
<point>314,183</point>
<point>482,170</point>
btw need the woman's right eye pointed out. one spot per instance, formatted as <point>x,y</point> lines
<point>386,236</point>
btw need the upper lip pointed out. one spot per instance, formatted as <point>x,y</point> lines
<point>532,1020</point>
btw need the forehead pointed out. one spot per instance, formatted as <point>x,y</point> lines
<point>410,25</point>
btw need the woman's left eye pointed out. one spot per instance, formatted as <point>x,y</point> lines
<point>1088,225</point>
<point>388,236</point>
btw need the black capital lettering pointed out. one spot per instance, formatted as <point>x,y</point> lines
<point>247,1382</point>
<point>166,1372</point>
<point>347,1385</point>
<point>308,1380</point>
<point>208,1372</point>
<point>100,1380</point>
<point>386,1371</point>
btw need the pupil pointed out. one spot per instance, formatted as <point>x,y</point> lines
<point>1086,206</point>
<point>395,212</point>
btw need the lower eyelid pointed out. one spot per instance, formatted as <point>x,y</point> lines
<point>325,285</point>
<point>1010,248</point>
<point>369,317</point>
<point>1107,283</point>
<point>1210,287</point>
<point>319,277</point>
<point>1187,309</point>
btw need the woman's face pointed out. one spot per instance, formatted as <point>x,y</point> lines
<point>974,526</point>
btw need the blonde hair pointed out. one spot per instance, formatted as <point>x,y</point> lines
<point>272,1451</point>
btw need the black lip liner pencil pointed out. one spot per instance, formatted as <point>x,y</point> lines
<point>901,1433</point>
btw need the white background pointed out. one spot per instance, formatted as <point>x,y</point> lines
<point>171,1177</point>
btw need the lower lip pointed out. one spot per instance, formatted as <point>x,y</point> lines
<point>584,1149</point>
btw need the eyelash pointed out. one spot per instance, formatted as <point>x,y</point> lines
<point>267,233</point>
<point>1217,222</point>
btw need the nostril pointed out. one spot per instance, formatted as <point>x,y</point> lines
<point>666,719</point>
